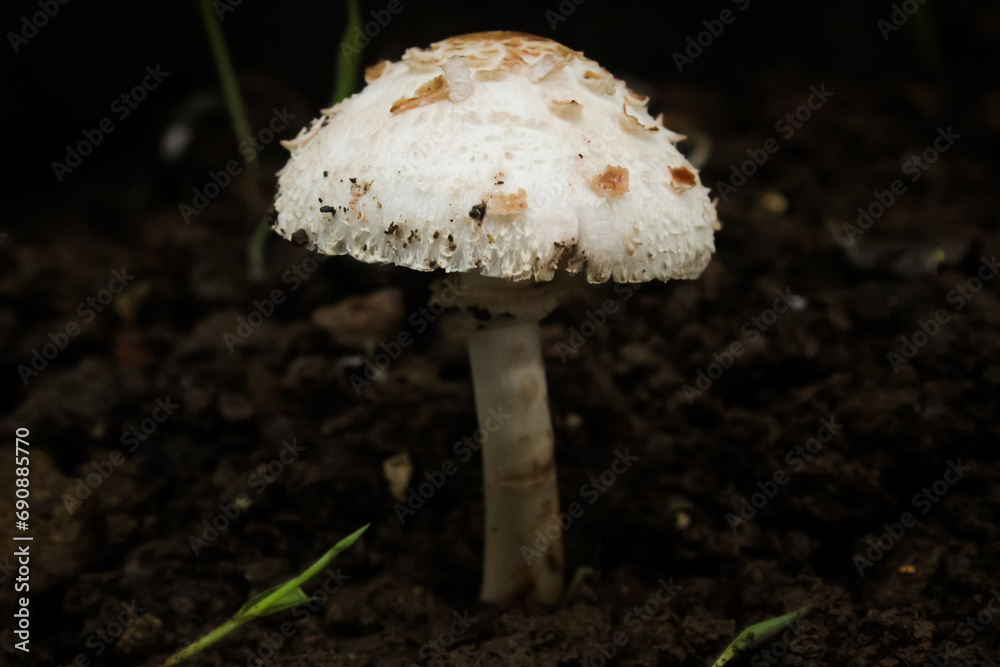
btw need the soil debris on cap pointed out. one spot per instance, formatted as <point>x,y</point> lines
<point>478,212</point>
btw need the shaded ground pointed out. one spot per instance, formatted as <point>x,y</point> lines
<point>650,381</point>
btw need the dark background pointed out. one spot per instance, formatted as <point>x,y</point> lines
<point>64,79</point>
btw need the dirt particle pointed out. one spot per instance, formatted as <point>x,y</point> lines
<point>327,209</point>
<point>300,238</point>
<point>477,212</point>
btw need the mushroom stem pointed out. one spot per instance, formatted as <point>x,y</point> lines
<point>519,467</point>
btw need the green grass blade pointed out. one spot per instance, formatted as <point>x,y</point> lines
<point>227,75</point>
<point>755,633</point>
<point>273,600</point>
<point>274,597</point>
<point>348,68</point>
<point>206,641</point>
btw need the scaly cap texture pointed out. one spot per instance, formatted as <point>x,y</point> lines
<point>501,153</point>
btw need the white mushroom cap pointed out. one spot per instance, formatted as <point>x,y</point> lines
<point>501,153</point>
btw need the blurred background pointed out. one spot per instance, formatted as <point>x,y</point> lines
<point>63,80</point>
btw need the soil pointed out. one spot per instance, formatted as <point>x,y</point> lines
<point>813,418</point>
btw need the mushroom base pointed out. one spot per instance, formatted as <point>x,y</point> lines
<point>523,555</point>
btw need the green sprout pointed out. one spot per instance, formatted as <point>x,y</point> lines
<point>756,633</point>
<point>348,68</point>
<point>279,598</point>
<point>347,81</point>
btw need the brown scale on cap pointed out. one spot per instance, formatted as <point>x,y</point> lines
<point>600,82</point>
<point>375,71</point>
<point>513,60</point>
<point>509,204</point>
<point>544,67</point>
<point>632,125</point>
<point>635,99</point>
<point>566,109</point>
<point>491,74</point>
<point>433,91</point>
<point>489,52</point>
<point>520,43</point>
<point>681,179</point>
<point>612,182</point>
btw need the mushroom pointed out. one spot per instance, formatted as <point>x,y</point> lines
<point>514,162</point>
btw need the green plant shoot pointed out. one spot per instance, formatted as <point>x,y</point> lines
<point>345,85</point>
<point>280,597</point>
<point>755,634</point>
